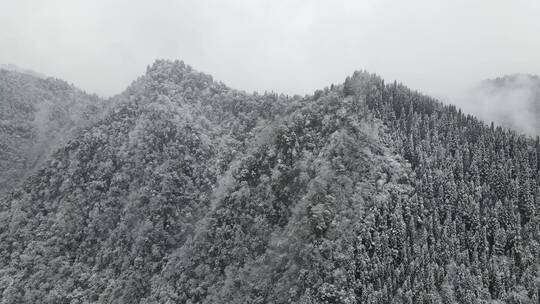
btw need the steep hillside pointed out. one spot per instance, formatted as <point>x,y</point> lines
<point>190,192</point>
<point>142,176</point>
<point>37,114</point>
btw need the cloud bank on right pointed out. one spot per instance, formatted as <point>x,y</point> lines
<point>511,101</point>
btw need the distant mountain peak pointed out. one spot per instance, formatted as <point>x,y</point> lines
<point>517,80</point>
<point>177,79</point>
<point>525,83</point>
<point>174,70</point>
<point>14,68</point>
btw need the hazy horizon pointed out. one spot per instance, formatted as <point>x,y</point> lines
<point>282,46</point>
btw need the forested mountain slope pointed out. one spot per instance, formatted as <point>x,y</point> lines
<point>37,114</point>
<point>190,192</point>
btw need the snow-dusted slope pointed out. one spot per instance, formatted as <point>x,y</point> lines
<point>187,191</point>
<point>37,115</point>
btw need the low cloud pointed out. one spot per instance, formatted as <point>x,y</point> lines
<point>292,47</point>
<point>510,101</point>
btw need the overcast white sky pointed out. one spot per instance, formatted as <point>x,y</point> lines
<point>276,45</point>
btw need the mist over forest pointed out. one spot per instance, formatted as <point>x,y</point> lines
<point>315,152</point>
<point>512,101</point>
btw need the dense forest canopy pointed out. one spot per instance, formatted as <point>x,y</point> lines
<point>37,114</point>
<point>187,191</point>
